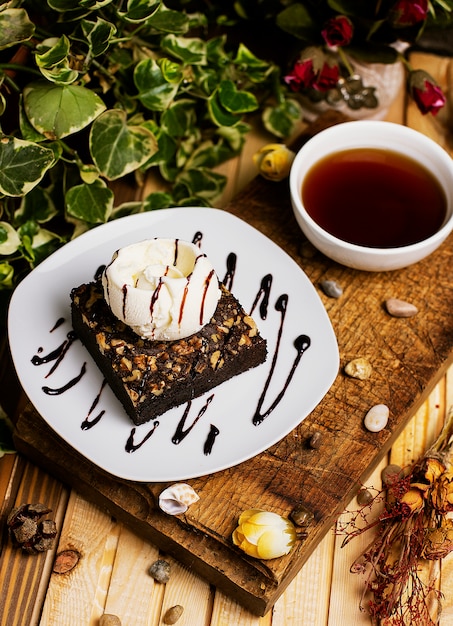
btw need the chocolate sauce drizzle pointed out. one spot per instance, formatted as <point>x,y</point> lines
<point>87,422</point>
<point>57,324</point>
<point>56,355</point>
<point>58,391</point>
<point>230,271</point>
<point>264,293</point>
<point>131,446</point>
<point>181,433</point>
<point>301,343</point>
<point>210,439</point>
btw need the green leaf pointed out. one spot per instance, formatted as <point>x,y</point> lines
<point>15,27</point>
<point>202,182</point>
<point>118,148</point>
<point>60,110</point>
<point>22,165</point>
<point>168,21</point>
<point>297,20</point>
<point>218,114</point>
<point>98,35</point>
<point>158,200</point>
<point>178,120</point>
<point>37,242</point>
<point>9,239</point>
<point>192,51</point>
<point>281,120</point>
<point>6,275</point>
<point>215,49</point>
<point>257,70</point>
<point>36,205</point>
<point>126,208</point>
<point>171,71</point>
<point>154,92</point>
<point>52,51</point>
<point>140,10</point>
<point>90,203</point>
<point>235,100</point>
<point>64,5</point>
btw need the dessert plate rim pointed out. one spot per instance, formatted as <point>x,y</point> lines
<point>67,389</point>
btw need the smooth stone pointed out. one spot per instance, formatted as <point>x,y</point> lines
<point>331,288</point>
<point>377,418</point>
<point>359,368</point>
<point>400,308</point>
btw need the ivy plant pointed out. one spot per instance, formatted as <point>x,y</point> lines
<point>93,92</point>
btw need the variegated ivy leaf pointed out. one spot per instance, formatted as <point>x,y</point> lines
<point>140,10</point>
<point>201,182</point>
<point>36,205</point>
<point>37,242</point>
<point>22,165</point>
<point>98,35</point>
<point>257,70</point>
<point>15,26</point>
<point>61,74</point>
<point>281,120</point>
<point>118,148</point>
<point>57,111</point>
<point>168,21</point>
<point>218,114</point>
<point>154,92</point>
<point>90,203</point>
<point>94,5</point>
<point>235,100</point>
<point>6,275</point>
<point>179,119</point>
<point>9,239</point>
<point>52,51</point>
<point>64,6</point>
<point>192,51</point>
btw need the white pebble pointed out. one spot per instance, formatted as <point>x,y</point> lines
<point>377,417</point>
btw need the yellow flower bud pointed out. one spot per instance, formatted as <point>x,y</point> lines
<point>264,535</point>
<point>274,161</point>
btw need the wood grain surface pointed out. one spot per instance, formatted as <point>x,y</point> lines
<point>408,356</point>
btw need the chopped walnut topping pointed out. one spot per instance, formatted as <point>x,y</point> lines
<point>136,375</point>
<point>126,364</point>
<point>216,360</point>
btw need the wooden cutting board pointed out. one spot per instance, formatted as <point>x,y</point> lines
<point>408,356</point>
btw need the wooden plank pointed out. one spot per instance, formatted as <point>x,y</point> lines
<point>408,356</point>
<point>24,578</point>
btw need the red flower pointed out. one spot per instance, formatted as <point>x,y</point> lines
<point>409,12</point>
<point>426,93</point>
<point>303,75</point>
<point>327,78</point>
<point>338,31</point>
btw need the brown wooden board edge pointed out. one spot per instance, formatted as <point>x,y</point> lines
<point>210,559</point>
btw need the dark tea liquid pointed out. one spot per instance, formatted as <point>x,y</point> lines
<point>375,198</point>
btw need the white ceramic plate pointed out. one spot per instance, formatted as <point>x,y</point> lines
<point>40,324</point>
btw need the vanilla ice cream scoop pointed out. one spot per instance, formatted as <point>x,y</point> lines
<point>164,289</point>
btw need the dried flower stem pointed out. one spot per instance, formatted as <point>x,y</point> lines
<point>414,529</point>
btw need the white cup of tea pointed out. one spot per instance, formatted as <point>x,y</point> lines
<point>373,195</point>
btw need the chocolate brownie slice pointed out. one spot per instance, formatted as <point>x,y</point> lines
<point>151,377</point>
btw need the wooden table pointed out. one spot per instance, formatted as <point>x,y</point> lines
<point>111,572</point>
